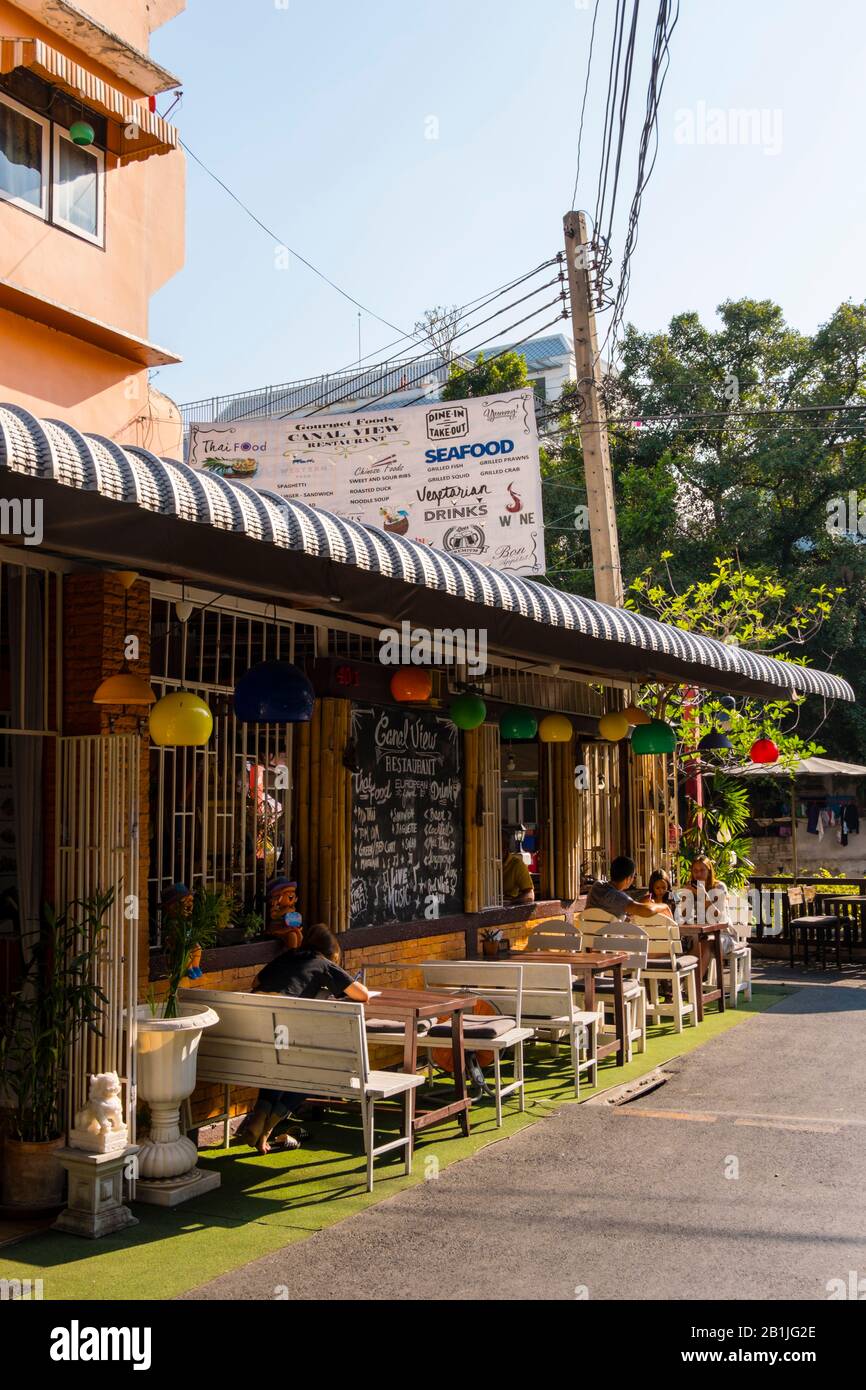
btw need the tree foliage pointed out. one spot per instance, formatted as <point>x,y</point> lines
<point>736,441</point>
<point>485,378</point>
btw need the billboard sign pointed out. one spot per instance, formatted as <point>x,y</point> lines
<point>463,476</point>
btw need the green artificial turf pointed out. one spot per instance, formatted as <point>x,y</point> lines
<point>267,1202</point>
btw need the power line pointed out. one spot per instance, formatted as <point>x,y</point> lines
<point>351,391</point>
<point>280,242</point>
<point>583,103</point>
<point>324,399</point>
<point>510,348</point>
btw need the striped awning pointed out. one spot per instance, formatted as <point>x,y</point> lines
<point>134,131</point>
<point>53,451</point>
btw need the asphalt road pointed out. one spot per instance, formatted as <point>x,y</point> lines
<point>742,1177</point>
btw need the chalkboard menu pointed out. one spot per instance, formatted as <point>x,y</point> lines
<point>407,817</point>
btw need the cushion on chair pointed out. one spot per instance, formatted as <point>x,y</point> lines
<point>477,1026</point>
<point>814,921</point>
<point>394,1025</point>
<point>630,988</point>
<point>683,962</point>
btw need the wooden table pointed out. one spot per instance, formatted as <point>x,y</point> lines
<point>588,964</point>
<point>708,941</point>
<point>413,1005</point>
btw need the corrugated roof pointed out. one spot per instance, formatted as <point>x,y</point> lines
<point>55,451</point>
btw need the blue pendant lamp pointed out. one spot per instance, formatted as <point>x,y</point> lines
<point>715,742</point>
<point>274,692</point>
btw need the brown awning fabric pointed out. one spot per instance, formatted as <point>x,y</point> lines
<point>134,131</point>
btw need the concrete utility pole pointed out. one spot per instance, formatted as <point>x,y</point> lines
<point>593,419</point>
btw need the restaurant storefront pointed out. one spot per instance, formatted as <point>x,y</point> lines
<point>386,813</point>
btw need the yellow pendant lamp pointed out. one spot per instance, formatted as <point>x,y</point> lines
<point>180,720</point>
<point>613,726</point>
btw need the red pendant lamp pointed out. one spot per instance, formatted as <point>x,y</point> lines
<point>764,750</point>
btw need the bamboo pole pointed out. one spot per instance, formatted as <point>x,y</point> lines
<point>315,782</point>
<point>326,811</point>
<point>302,817</point>
<point>470,829</point>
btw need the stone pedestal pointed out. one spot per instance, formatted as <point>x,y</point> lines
<point>95,1202</point>
<point>170,1192</point>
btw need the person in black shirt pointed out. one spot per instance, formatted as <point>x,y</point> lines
<point>312,972</point>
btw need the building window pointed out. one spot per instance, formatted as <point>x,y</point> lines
<point>23,157</point>
<point>78,187</point>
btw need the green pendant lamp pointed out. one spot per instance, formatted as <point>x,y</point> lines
<point>517,726</point>
<point>655,737</point>
<point>467,711</point>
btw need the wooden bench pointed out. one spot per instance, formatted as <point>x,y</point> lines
<point>315,1047</point>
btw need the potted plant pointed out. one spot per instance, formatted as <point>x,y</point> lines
<point>492,940</point>
<point>169,1033</point>
<point>57,1000</point>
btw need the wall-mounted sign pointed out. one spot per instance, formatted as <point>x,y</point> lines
<point>407,817</point>
<point>463,476</point>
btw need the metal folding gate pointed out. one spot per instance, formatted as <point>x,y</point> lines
<point>97,850</point>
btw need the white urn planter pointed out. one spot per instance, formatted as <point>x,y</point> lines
<point>167,1050</point>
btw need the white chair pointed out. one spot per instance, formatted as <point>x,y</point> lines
<point>626,936</point>
<point>550,1006</point>
<point>501,985</point>
<point>667,964</point>
<point>556,934</point>
<point>737,964</point>
<point>547,1006</point>
<point>592,921</point>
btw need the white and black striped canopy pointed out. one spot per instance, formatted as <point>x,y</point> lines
<point>53,451</point>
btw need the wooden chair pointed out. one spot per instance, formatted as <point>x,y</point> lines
<point>667,963</point>
<point>315,1047</point>
<point>626,936</point>
<point>802,922</point>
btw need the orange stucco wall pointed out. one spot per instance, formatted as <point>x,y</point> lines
<point>51,372</point>
<point>56,376</point>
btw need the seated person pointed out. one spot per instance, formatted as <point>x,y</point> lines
<point>517,886</point>
<point>609,895</point>
<point>310,972</point>
<point>661,890</point>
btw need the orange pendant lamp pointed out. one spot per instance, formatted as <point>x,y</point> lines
<point>125,688</point>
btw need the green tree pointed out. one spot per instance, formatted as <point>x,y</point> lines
<point>735,606</point>
<point>485,378</point>
<point>735,441</point>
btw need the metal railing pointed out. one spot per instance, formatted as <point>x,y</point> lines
<point>345,390</point>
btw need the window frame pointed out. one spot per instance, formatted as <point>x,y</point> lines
<point>43,212</point>
<point>58,134</point>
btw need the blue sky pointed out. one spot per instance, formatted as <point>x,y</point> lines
<point>317,115</point>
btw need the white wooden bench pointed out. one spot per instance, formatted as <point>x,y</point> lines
<point>315,1047</point>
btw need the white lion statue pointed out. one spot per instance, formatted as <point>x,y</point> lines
<point>103,1113</point>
